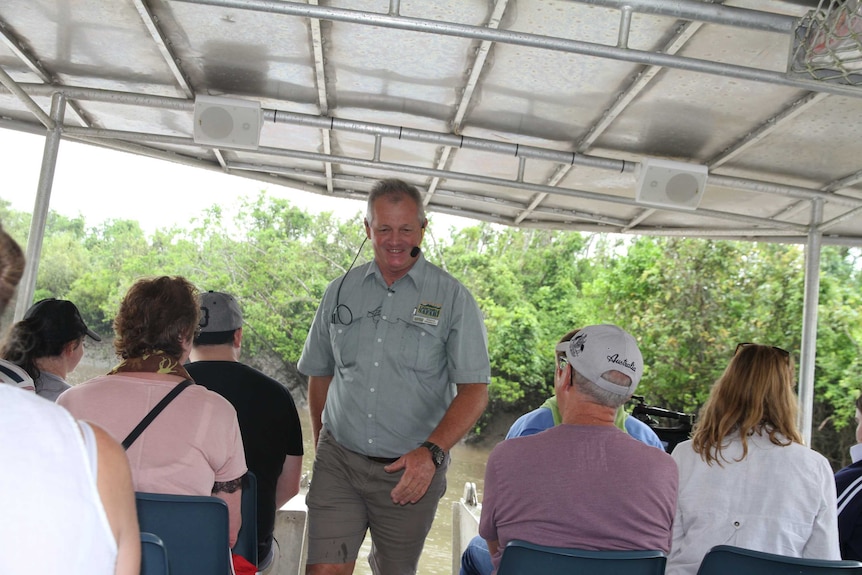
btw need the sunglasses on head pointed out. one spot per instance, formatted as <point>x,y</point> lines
<point>784,353</point>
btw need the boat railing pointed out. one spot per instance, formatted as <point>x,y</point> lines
<point>291,532</point>
<point>465,522</point>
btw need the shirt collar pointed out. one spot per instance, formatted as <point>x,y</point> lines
<point>415,273</point>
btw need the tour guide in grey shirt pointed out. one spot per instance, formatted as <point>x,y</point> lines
<point>397,359</point>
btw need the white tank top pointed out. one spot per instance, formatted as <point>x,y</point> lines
<point>51,517</point>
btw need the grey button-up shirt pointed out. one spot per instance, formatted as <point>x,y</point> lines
<point>396,365</point>
<point>50,386</point>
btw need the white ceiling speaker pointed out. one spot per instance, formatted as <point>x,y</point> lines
<point>227,122</point>
<point>665,183</point>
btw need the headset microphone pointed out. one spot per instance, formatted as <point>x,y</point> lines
<point>415,251</point>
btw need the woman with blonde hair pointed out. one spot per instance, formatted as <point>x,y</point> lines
<point>745,478</point>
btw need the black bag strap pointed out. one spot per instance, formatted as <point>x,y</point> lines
<point>148,418</point>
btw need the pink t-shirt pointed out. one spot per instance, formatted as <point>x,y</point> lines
<point>189,446</point>
<point>582,486</point>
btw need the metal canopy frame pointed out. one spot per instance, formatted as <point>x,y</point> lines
<point>528,113</point>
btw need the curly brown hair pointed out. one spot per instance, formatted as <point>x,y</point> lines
<point>156,314</point>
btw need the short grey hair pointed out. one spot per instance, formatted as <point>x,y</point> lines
<point>600,395</point>
<point>395,190</point>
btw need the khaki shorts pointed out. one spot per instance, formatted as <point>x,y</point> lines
<point>349,494</point>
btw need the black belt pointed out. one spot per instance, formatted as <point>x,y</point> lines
<point>385,460</point>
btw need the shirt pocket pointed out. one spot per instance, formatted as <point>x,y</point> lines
<point>421,349</point>
<point>345,343</point>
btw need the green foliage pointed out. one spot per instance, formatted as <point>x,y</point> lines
<point>527,283</point>
<point>16,224</point>
<point>838,368</point>
<point>277,261</point>
<point>689,302</point>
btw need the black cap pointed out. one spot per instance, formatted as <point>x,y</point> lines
<point>61,319</point>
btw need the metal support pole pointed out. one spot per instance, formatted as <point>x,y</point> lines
<point>27,287</point>
<point>809,322</point>
<point>625,27</point>
<point>13,87</point>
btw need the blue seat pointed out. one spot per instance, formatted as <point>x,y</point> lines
<point>738,561</point>
<point>523,558</point>
<point>154,556</point>
<point>194,529</point>
<point>246,542</point>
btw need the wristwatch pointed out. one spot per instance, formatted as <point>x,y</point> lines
<point>437,453</point>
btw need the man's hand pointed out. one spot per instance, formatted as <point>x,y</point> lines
<point>418,473</point>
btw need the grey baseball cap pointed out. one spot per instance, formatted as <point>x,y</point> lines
<point>219,312</point>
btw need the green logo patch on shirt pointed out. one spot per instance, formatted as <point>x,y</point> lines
<point>427,313</point>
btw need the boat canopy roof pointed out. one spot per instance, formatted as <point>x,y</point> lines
<point>638,116</point>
